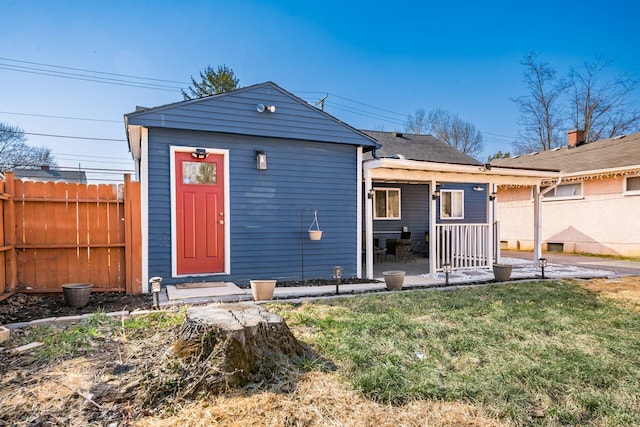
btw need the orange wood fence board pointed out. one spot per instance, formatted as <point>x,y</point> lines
<point>68,233</point>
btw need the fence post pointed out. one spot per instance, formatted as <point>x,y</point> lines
<point>11,273</point>
<point>133,236</point>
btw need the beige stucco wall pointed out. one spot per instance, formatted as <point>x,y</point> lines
<point>604,221</point>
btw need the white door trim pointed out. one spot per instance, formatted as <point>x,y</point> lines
<point>227,223</point>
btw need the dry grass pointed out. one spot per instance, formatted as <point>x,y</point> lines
<point>623,289</point>
<point>56,394</point>
<point>320,399</point>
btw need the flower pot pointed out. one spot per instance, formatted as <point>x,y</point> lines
<point>262,289</point>
<point>76,294</point>
<point>315,234</point>
<point>393,279</point>
<point>502,272</point>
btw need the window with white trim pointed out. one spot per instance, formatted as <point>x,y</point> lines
<point>632,185</point>
<point>452,204</point>
<point>565,191</point>
<point>386,203</point>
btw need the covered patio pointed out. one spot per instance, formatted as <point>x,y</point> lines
<point>467,242</point>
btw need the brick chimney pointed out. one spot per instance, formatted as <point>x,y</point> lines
<point>575,137</point>
<point>44,167</point>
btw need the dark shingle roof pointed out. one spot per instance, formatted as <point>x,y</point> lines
<point>417,147</point>
<point>51,175</point>
<point>611,153</point>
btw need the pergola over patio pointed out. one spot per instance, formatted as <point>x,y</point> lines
<point>454,242</point>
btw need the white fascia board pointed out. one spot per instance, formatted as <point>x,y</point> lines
<point>453,173</point>
<point>134,138</point>
<point>601,171</point>
<point>479,170</point>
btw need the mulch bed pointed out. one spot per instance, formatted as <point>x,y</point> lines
<point>27,307</point>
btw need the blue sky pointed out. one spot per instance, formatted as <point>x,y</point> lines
<point>379,61</point>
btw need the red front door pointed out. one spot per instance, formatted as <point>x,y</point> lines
<point>199,214</point>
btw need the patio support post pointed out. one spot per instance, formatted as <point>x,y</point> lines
<point>491,238</point>
<point>537,222</point>
<point>368,213</point>
<point>537,219</point>
<point>433,205</point>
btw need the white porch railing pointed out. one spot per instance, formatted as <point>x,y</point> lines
<point>462,245</point>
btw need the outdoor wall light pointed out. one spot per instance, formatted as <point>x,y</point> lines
<point>447,270</point>
<point>435,194</point>
<point>493,195</point>
<point>200,153</point>
<point>478,187</point>
<point>261,161</point>
<point>337,275</point>
<point>370,194</point>
<point>156,284</point>
<point>542,263</point>
<point>261,108</point>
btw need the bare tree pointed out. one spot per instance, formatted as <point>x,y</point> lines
<point>416,122</point>
<point>541,110</point>
<point>14,151</point>
<point>212,82</point>
<point>459,134</point>
<point>602,109</point>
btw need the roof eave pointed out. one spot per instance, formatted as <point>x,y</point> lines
<point>460,168</point>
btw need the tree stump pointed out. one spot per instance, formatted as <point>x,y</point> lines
<point>232,344</point>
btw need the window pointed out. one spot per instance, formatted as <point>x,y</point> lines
<point>451,204</point>
<point>565,191</point>
<point>199,173</point>
<point>386,203</point>
<point>632,185</point>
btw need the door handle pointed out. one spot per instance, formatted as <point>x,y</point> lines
<point>221,221</point>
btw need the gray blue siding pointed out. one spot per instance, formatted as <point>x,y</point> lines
<point>414,200</point>
<point>270,210</point>
<point>415,203</point>
<point>235,112</point>
<point>475,204</point>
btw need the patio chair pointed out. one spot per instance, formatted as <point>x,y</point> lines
<point>391,248</point>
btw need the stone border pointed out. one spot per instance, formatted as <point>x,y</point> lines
<point>69,320</point>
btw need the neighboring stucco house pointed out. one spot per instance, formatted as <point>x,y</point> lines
<point>595,207</point>
<point>231,184</point>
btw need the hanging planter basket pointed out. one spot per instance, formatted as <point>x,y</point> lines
<point>315,233</point>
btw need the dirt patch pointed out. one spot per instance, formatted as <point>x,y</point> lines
<point>26,307</point>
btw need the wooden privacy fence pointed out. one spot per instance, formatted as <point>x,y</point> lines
<point>57,233</point>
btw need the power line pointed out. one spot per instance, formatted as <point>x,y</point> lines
<point>66,136</point>
<point>94,79</point>
<point>93,71</point>
<point>61,117</point>
<point>88,156</point>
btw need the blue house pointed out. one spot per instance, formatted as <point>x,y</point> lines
<point>233,183</point>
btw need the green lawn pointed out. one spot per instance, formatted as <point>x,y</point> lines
<point>539,353</point>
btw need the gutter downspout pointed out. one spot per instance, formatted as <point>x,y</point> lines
<point>537,219</point>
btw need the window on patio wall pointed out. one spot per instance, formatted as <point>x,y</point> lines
<point>386,203</point>
<point>451,204</point>
<point>565,191</point>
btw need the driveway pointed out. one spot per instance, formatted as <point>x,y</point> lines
<point>623,267</point>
